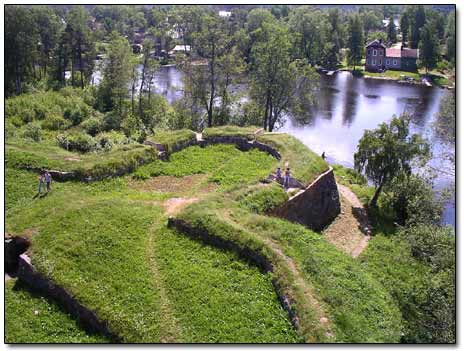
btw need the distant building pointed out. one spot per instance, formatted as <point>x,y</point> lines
<point>379,57</point>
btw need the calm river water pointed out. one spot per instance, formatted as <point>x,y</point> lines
<point>346,107</point>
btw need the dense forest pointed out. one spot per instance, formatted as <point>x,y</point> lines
<point>58,115</point>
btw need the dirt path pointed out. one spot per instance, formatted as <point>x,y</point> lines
<point>175,204</point>
<point>307,290</point>
<point>169,326</point>
<point>299,280</point>
<point>348,230</point>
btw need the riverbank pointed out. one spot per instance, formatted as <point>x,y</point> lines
<point>404,77</point>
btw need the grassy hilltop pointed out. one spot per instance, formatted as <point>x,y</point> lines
<point>108,243</point>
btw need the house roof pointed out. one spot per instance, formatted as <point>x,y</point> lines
<point>376,42</point>
<point>394,52</point>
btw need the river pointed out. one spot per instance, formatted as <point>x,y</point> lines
<point>347,106</point>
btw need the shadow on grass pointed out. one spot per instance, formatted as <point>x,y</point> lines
<point>21,286</point>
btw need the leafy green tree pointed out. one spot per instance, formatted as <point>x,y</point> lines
<point>445,129</point>
<point>149,68</point>
<point>417,21</point>
<point>275,79</point>
<point>355,41</point>
<point>21,39</point>
<point>450,35</point>
<point>371,21</point>
<point>308,26</point>
<point>404,26</point>
<point>117,73</point>
<point>428,48</point>
<point>388,152</point>
<point>334,18</point>
<point>377,35</point>
<point>391,30</point>
<point>81,44</point>
<point>205,85</point>
<point>49,28</point>
<point>435,246</point>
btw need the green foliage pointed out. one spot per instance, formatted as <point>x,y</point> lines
<point>263,200</point>
<point>55,122</point>
<point>414,200</point>
<point>30,318</point>
<point>377,35</point>
<point>33,131</point>
<point>355,41</point>
<point>93,125</point>
<point>48,106</point>
<point>429,51</point>
<point>77,141</point>
<point>387,152</point>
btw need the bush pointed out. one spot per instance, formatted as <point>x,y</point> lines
<point>27,116</point>
<point>55,122</point>
<point>76,114</point>
<point>112,120</point>
<point>107,140</point>
<point>77,141</point>
<point>93,125</point>
<point>33,131</point>
<point>263,200</point>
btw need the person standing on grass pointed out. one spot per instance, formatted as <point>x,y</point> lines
<point>48,180</point>
<point>287,178</point>
<point>41,182</point>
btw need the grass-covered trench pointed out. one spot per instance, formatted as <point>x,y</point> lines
<point>108,243</point>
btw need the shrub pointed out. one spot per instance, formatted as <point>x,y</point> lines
<point>107,140</point>
<point>55,122</point>
<point>75,115</point>
<point>112,120</point>
<point>263,200</point>
<point>27,116</point>
<point>33,131</point>
<point>93,125</point>
<point>77,141</point>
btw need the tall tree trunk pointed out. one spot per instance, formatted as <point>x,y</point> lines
<point>18,78</point>
<point>373,202</point>
<point>81,66</point>
<point>265,119</point>
<point>142,83</point>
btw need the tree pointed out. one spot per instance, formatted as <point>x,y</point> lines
<point>275,80</point>
<point>391,30</point>
<point>387,152</point>
<point>81,44</point>
<point>355,41</point>
<point>20,48</point>
<point>206,85</point>
<point>417,21</point>
<point>49,29</point>
<point>428,47</point>
<point>377,35</point>
<point>450,35</point>
<point>114,88</point>
<point>404,26</point>
<point>308,26</point>
<point>445,129</point>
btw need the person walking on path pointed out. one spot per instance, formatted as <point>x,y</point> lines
<point>279,175</point>
<point>41,183</point>
<point>287,178</point>
<point>48,180</point>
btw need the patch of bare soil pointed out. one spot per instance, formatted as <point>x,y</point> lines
<point>169,184</point>
<point>348,231</point>
<point>72,159</point>
<point>175,204</point>
<point>30,232</point>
